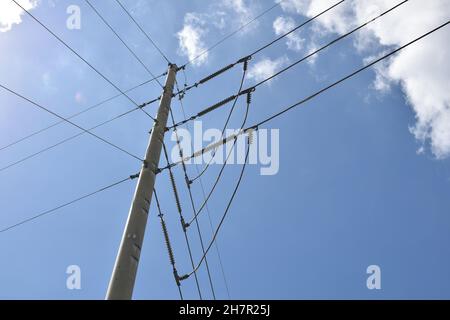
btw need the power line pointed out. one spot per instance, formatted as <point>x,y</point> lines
<point>317,93</point>
<point>223,216</point>
<point>70,122</point>
<point>196,213</point>
<point>182,220</point>
<point>122,41</point>
<point>79,113</point>
<point>248,57</point>
<point>350,75</point>
<point>188,185</point>
<point>180,99</point>
<point>143,31</point>
<point>78,55</point>
<point>296,28</point>
<point>227,121</point>
<point>40,215</point>
<point>245,91</point>
<point>72,137</point>
<point>234,32</point>
<point>331,43</point>
<point>168,245</point>
<point>225,162</point>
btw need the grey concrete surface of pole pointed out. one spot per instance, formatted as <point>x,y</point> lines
<point>125,268</point>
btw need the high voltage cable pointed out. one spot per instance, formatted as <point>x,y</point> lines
<point>188,185</point>
<point>78,113</point>
<point>229,99</point>
<point>71,137</point>
<point>228,67</point>
<point>351,75</point>
<point>205,202</point>
<point>296,28</point>
<point>70,122</point>
<point>190,194</point>
<point>78,55</point>
<point>180,99</point>
<point>47,212</point>
<point>331,43</point>
<point>196,213</point>
<point>122,41</point>
<point>182,221</point>
<point>228,119</point>
<point>317,93</point>
<point>234,32</point>
<point>144,32</point>
<point>168,245</point>
<point>223,216</point>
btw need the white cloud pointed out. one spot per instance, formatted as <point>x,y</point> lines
<point>295,6</point>
<point>220,18</point>
<point>190,38</point>
<point>240,8</point>
<point>266,67</point>
<point>422,71</point>
<point>282,25</point>
<point>10,13</point>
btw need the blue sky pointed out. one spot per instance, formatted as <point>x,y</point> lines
<point>364,173</point>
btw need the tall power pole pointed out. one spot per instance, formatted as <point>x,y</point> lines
<point>126,265</point>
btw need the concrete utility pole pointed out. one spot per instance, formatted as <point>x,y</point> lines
<point>124,274</point>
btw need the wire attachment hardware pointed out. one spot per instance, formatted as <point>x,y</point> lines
<point>134,176</point>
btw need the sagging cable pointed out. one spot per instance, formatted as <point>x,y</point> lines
<point>168,244</point>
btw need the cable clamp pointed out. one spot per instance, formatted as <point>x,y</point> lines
<point>134,176</point>
<point>244,59</point>
<point>183,277</point>
<point>184,224</point>
<point>176,276</point>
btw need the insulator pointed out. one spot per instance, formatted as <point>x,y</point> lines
<point>249,97</point>
<point>167,240</point>
<point>245,65</point>
<point>215,106</point>
<point>250,136</point>
<point>215,74</point>
<point>175,191</point>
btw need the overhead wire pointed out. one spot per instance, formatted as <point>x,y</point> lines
<point>144,32</point>
<point>168,245</point>
<point>78,55</point>
<point>231,98</point>
<point>122,41</point>
<point>30,156</point>
<point>50,211</point>
<point>188,186</point>
<point>244,72</point>
<point>205,202</point>
<point>234,32</point>
<point>78,114</point>
<point>186,276</point>
<point>182,220</point>
<point>310,97</point>
<point>180,99</point>
<point>196,213</point>
<point>70,122</point>
<point>247,57</point>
